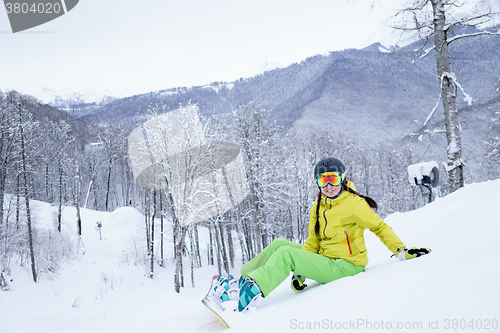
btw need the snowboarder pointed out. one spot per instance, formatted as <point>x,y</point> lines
<point>335,247</point>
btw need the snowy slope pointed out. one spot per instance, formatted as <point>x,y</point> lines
<point>105,288</point>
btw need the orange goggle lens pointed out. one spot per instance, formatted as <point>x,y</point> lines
<point>334,178</point>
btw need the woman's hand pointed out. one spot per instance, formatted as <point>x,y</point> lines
<point>298,284</point>
<point>413,252</point>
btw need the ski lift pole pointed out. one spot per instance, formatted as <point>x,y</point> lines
<point>99,225</point>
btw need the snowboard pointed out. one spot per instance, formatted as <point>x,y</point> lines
<point>213,301</point>
<point>217,311</point>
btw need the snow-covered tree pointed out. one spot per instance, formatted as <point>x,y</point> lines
<point>438,20</point>
<point>25,126</point>
<point>256,138</point>
<point>493,145</point>
<point>60,144</point>
<point>7,140</point>
<point>113,139</point>
<point>169,151</point>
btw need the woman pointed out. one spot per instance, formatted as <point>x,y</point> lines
<point>335,247</point>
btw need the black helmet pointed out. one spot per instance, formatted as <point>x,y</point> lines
<point>329,164</point>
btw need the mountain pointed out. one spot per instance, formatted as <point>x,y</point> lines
<point>364,91</point>
<point>378,95</point>
<point>78,104</point>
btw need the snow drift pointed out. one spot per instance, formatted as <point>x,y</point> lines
<point>105,288</point>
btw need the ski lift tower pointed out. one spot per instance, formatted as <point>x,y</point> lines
<point>424,175</point>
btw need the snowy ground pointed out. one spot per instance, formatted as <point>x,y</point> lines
<point>454,289</point>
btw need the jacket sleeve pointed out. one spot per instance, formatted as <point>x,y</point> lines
<point>312,242</point>
<point>367,218</point>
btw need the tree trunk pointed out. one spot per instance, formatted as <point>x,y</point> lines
<point>178,241</point>
<point>210,251</point>
<point>162,262</point>
<point>230,242</point>
<point>448,94</point>
<point>192,254</point>
<point>178,258</point>
<point>18,199</point>
<point>223,243</point>
<point>77,203</point>
<point>108,183</point>
<point>152,243</point>
<point>178,244</point>
<point>218,244</point>
<point>26,198</point>
<point>197,244</point>
<point>248,238</point>
<point>59,212</point>
<point>290,216</point>
<point>231,220</point>
<point>47,183</point>
<point>243,248</point>
<point>263,233</point>
<point>146,224</point>
<point>2,193</point>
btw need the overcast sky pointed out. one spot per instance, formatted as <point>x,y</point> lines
<point>125,47</point>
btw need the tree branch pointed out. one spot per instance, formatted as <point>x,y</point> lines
<point>477,20</point>
<point>473,35</point>
<point>433,111</point>
<point>426,52</point>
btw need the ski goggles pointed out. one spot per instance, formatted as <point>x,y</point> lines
<point>334,178</point>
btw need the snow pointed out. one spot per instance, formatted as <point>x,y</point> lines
<point>467,98</point>
<point>77,94</point>
<point>169,93</point>
<point>105,288</point>
<point>218,86</point>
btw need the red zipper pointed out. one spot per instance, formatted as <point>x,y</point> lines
<point>348,243</point>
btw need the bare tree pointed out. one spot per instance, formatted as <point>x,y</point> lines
<point>7,141</point>
<point>113,152</point>
<point>176,157</point>
<point>437,19</point>
<point>77,202</point>
<point>59,143</point>
<point>253,134</point>
<point>24,170</point>
<point>493,144</point>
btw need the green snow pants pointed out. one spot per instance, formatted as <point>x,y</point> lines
<point>274,264</point>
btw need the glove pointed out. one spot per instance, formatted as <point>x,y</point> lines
<point>413,252</point>
<point>298,284</point>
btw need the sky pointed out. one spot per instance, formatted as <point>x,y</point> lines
<point>126,47</point>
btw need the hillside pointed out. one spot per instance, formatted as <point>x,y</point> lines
<point>379,97</point>
<point>368,91</point>
<point>104,287</point>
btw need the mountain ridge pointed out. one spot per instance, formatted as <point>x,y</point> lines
<point>349,75</point>
<point>381,98</point>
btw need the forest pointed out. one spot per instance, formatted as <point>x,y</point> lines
<point>49,156</point>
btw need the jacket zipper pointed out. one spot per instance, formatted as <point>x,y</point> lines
<point>348,243</point>
<point>326,223</point>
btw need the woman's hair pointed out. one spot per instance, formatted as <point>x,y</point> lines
<point>372,203</point>
<point>316,227</point>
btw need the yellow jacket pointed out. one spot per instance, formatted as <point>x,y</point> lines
<point>342,223</point>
